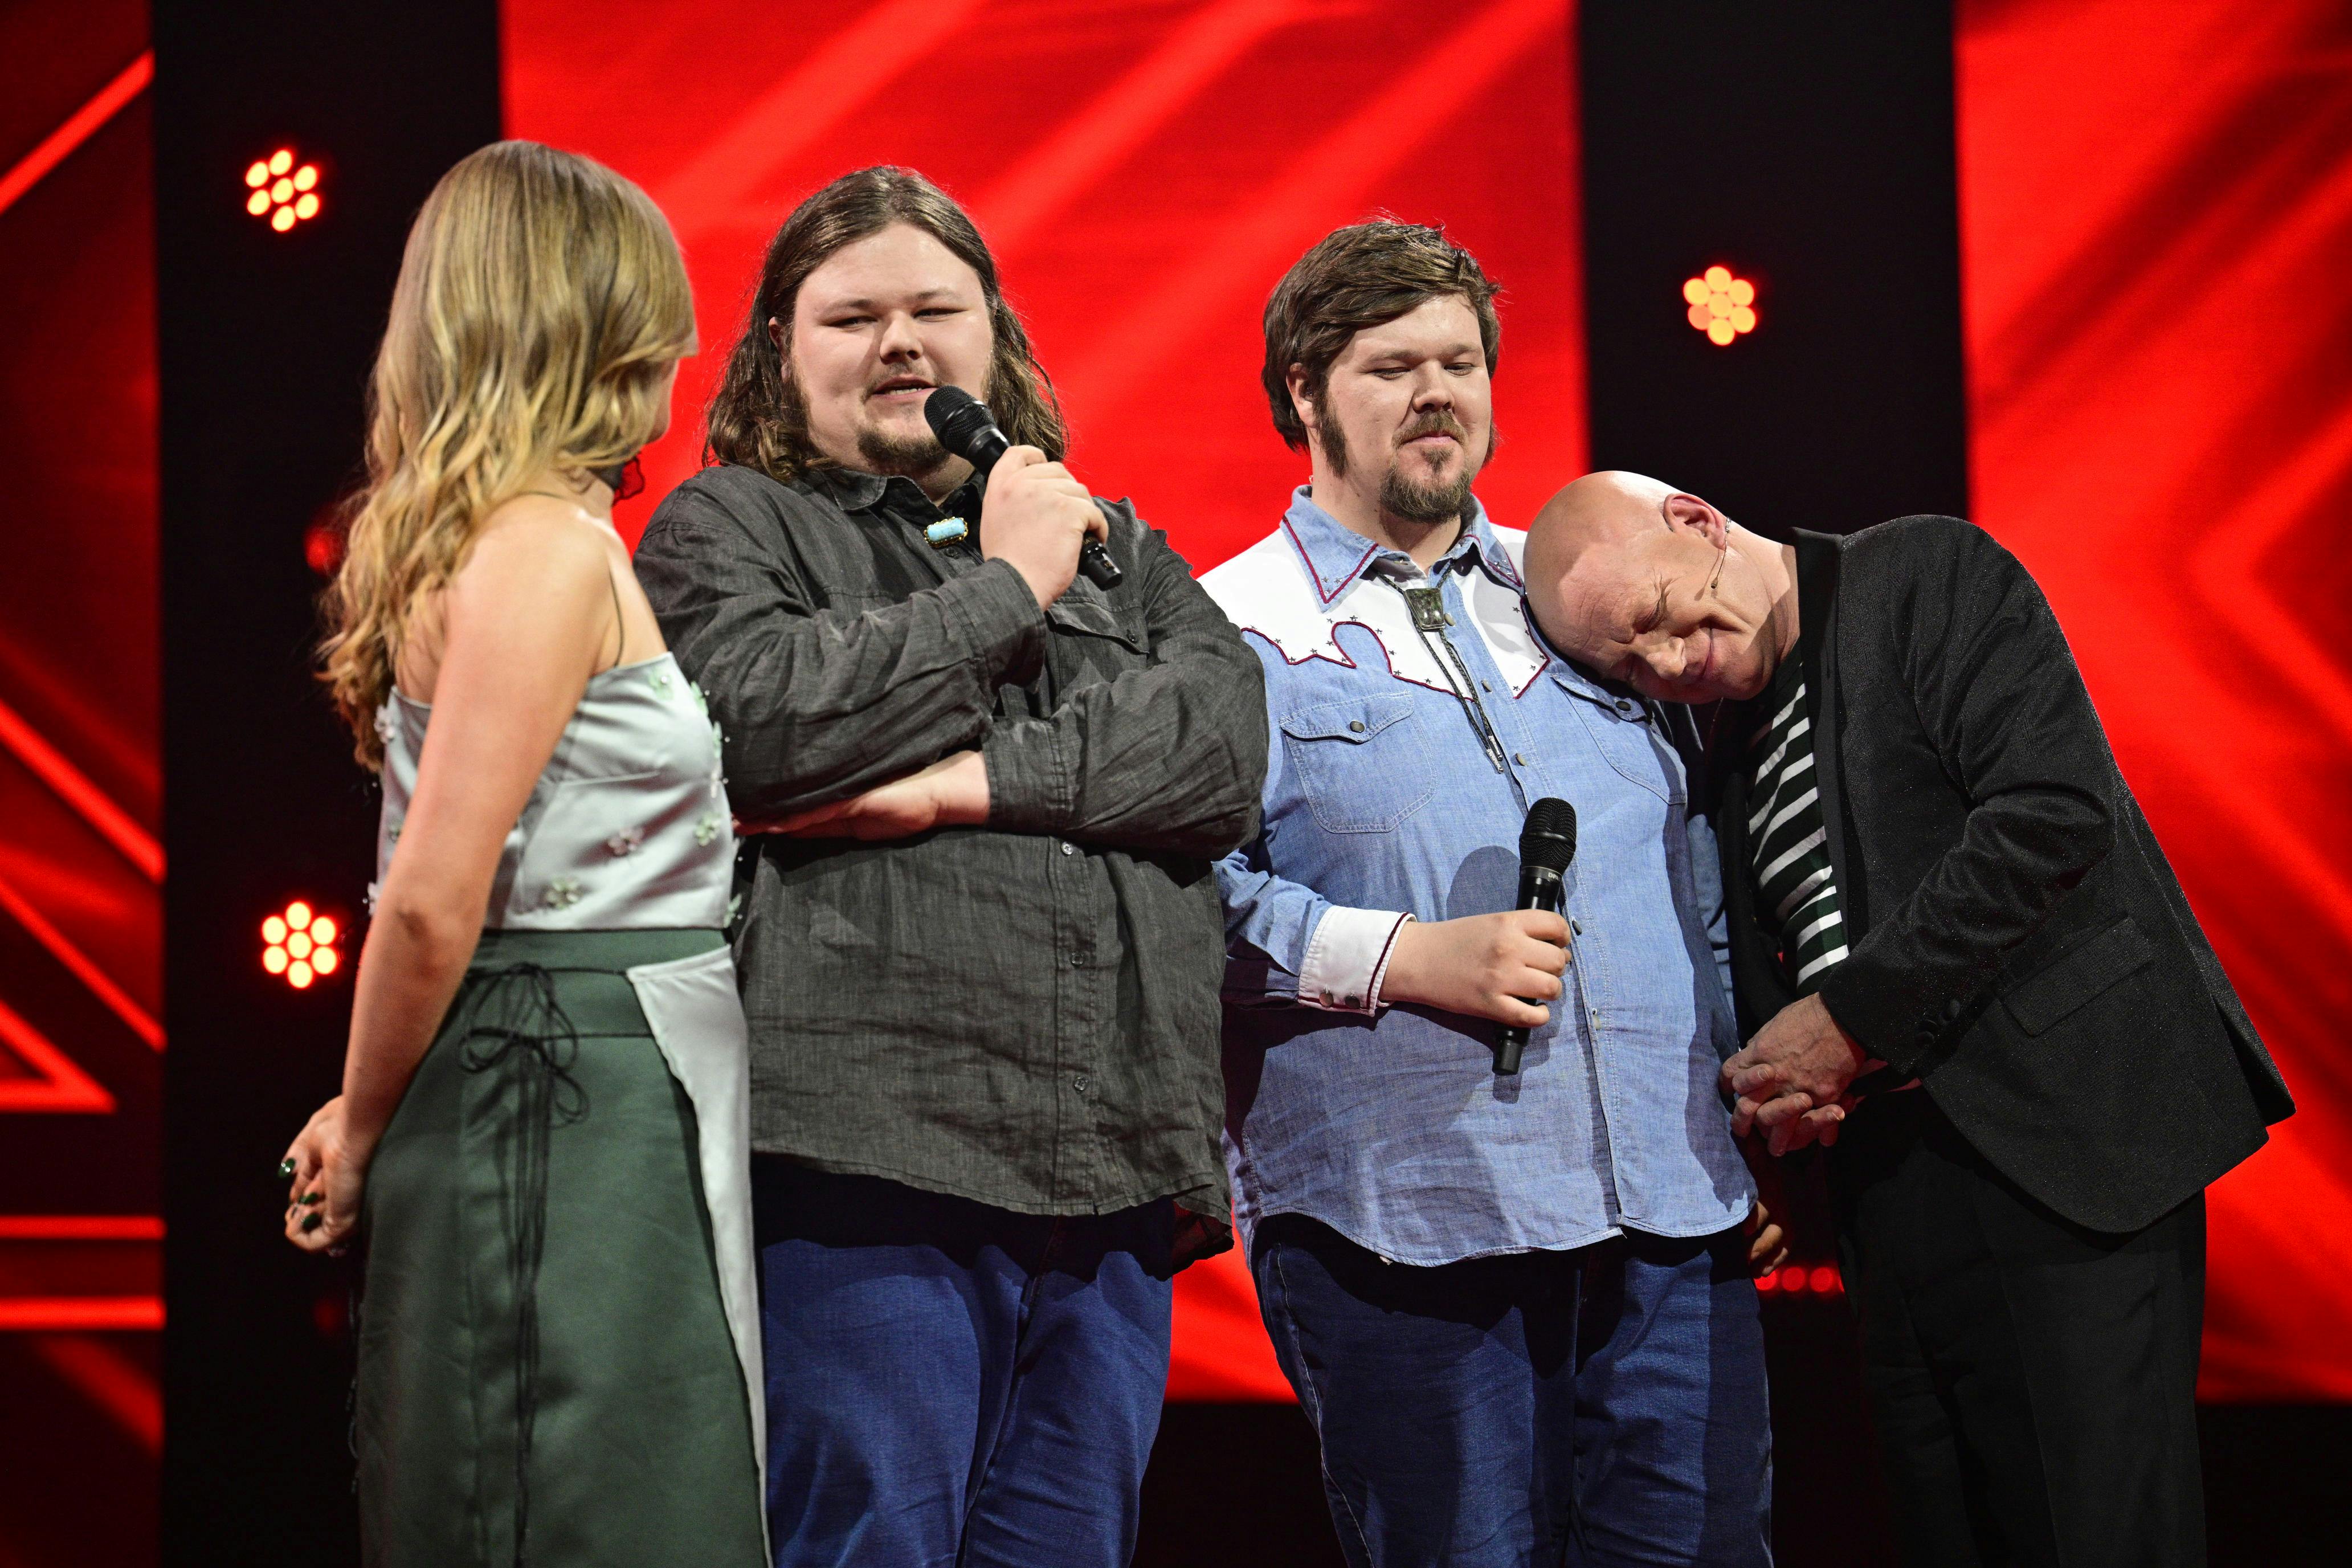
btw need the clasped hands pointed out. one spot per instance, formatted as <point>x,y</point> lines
<point>1792,1080</point>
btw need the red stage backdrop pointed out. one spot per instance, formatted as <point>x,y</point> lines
<point>81,793</point>
<point>1145,173</point>
<point>2155,208</point>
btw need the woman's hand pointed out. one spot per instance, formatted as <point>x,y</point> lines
<point>324,1203</point>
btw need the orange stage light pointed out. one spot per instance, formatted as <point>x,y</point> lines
<point>299,943</point>
<point>1721,305</point>
<point>282,194</point>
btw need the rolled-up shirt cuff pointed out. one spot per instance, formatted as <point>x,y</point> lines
<point>1029,785</point>
<point>1348,959</point>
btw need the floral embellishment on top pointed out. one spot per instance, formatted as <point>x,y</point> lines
<point>387,728</point>
<point>659,678</point>
<point>706,830</point>
<point>701,699</point>
<point>563,892</point>
<point>626,841</point>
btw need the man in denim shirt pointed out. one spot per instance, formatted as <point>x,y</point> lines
<point>1517,1309</point>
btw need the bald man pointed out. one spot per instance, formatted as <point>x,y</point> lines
<point>1959,956</point>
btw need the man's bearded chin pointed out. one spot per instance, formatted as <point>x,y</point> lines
<point>913,456</point>
<point>1418,500</point>
<point>1413,491</point>
<point>1403,495</point>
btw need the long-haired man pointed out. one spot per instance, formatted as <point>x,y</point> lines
<point>980,945</point>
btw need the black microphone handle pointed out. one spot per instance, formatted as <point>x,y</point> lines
<point>1538,890</point>
<point>1096,563</point>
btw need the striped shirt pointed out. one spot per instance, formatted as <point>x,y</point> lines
<point>1789,846</point>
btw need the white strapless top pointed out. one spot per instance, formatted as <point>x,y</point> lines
<point>627,827</point>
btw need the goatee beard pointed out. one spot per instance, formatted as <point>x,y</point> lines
<point>1424,500</point>
<point>912,455</point>
<point>1402,496</point>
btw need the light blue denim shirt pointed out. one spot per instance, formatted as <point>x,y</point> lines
<point>1388,795</point>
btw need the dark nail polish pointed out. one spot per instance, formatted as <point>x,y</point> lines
<point>285,1168</point>
<point>313,1198</point>
<point>311,1221</point>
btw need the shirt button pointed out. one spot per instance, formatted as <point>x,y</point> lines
<point>1483,686</point>
<point>1357,725</point>
<point>1077,961</point>
<point>1079,1083</point>
<point>1520,758</point>
<point>1069,848</point>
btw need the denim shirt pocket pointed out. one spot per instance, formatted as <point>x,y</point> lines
<point>1621,731</point>
<point>1361,764</point>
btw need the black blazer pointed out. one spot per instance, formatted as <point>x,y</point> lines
<point>2017,939</point>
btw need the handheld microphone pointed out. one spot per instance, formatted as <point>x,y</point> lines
<point>1547,846</point>
<point>965,427</point>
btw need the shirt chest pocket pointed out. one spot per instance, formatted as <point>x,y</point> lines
<point>1091,641</point>
<point>1622,733</point>
<point>1361,764</point>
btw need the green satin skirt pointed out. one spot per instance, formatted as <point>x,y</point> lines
<point>546,1374</point>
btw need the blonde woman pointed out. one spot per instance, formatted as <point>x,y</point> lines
<point>540,1144</point>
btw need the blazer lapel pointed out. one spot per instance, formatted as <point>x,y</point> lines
<point>1818,558</point>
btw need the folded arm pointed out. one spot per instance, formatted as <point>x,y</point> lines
<point>1168,758</point>
<point>818,705</point>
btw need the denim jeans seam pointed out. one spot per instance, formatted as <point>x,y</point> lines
<point>1312,1397</point>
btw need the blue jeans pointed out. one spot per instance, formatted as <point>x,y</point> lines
<point>1601,1407</point>
<point>951,1386</point>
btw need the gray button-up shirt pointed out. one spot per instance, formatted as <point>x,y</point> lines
<point>1025,1013</point>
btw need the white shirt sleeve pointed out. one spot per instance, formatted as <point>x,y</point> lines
<point>1348,958</point>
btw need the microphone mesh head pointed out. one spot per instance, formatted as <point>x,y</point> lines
<point>1549,839</point>
<point>951,405</point>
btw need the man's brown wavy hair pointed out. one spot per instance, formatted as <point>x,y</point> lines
<point>757,419</point>
<point>1365,275</point>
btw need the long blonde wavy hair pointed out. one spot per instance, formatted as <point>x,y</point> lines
<point>542,301</point>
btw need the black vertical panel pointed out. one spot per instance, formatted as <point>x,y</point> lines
<point>1810,148</point>
<point>265,343</point>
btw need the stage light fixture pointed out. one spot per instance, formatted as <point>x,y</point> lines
<point>282,191</point>
<point>322,543</point>
<point>1721,305</point>
<point>299,945</point>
